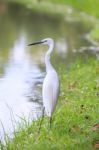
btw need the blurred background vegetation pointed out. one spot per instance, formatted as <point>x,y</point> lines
<point>89,7</point>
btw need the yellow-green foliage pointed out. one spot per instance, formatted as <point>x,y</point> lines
<point>95,33</point>
<point>90,6</point>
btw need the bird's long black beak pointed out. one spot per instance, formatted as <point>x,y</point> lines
<point>35,43</point>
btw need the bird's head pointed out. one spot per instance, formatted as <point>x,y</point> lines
<point>47,41</point>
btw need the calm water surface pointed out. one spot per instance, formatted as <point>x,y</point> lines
<point>22,69</point>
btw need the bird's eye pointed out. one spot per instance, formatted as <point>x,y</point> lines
<point>45,41</point>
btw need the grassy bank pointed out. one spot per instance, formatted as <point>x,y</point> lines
<point>73,120</point>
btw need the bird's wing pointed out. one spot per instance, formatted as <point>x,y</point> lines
<point>50,95</point>
<point>48,99</point>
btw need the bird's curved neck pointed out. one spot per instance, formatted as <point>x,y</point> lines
<point>47,58</point>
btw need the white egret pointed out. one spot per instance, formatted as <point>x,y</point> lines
<point>50,90</point>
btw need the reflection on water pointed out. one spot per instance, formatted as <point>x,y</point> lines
<point>21,68</point>
<point>15,84</point>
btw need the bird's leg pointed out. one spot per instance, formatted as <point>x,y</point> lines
<point>50,121</point>
<point>41,119</point>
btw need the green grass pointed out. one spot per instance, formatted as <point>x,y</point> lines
<point>76,113</point>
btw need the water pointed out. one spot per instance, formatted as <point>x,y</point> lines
<point>22,69</point>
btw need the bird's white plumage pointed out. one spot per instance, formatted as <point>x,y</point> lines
<point>50,89</point>
<point>50,92</point>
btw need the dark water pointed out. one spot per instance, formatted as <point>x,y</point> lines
<point>22,69</point>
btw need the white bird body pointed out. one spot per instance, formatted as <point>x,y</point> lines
<point>50,90</point>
